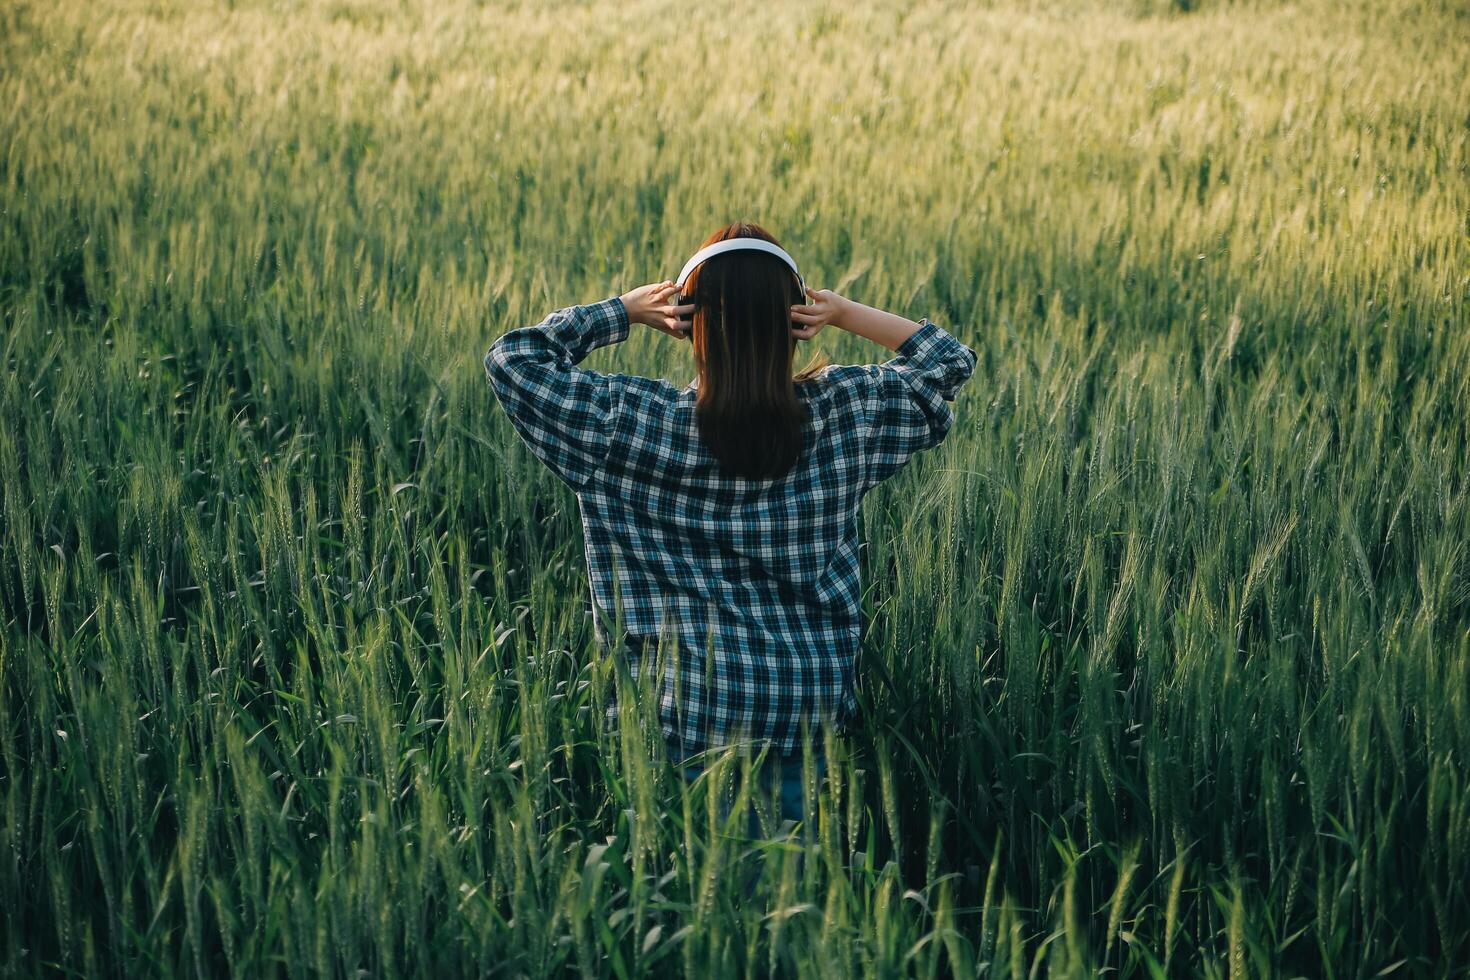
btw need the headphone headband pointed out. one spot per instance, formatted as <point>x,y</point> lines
<point>739,244</point>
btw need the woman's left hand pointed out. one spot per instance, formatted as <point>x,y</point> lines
<point>652,305</point>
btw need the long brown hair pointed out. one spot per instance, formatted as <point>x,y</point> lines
<point>748,412</point>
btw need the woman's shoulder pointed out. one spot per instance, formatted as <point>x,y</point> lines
<point>640,385</point>
<point>831,374</point>
<point>840,380</point>
<point>840,391</point>
<point>654,396</point>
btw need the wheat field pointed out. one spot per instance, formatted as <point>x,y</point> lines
<point>1167,661</point>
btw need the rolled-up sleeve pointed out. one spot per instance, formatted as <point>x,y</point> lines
<point>564,413</point>
<point>906,400</point>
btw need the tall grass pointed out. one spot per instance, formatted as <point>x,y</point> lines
<point>1167,648</point>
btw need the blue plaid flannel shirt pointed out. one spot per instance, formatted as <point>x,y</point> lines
<point>753,583</point>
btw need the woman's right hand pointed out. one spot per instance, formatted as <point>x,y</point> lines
<point>809,319</point>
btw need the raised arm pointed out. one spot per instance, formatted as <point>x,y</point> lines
<point>827,307</point>
<point>563,412</point>
<point>904,402</point>
<point>912,395</point>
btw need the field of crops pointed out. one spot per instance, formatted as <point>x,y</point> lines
<point>1167,665</point>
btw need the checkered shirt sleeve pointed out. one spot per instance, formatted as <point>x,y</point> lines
<point>905,401</point>
<point>565,414</point>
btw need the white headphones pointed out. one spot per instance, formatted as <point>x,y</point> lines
<point>738,244</point>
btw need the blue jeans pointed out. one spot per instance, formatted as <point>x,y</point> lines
<point>789,786</point>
